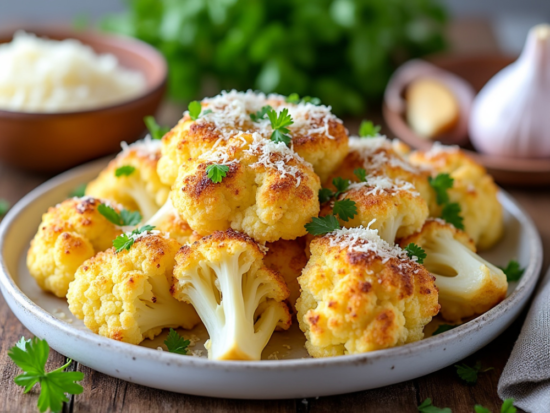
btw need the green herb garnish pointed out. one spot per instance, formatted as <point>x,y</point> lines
<point>346,209</point>
<point>324,195</point>
<point>79,191</point>
<point>176,343</point>
<point>4,207</point>
<point>414,250</point>
<point>361,174</point>
<point>428,407</point>
<point>368,129</point>
<point>261,114</point>
<point>469,374</point>
<point>295,98</point>
<point>322,225</point>
<point>125,170</point>
<point>217,172</point>
<point>341,185</point>
<point>31,357</point>
<point>125,218</point>
<point>513,271</point>
<point>451,214</point>
<point>125,241</point>
<point>156,131</point>
<point>440,184</point>
<point>279,123</point>
<point>443,328</point>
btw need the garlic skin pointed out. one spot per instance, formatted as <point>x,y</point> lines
<point>511,114</point>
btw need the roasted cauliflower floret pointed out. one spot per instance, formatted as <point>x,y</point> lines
<point>269,192</point>
<point>239,300</point>
<point>288,258</point>
<point>380,156</point>
<point>316,134</point>
<point>169,221</point>
<point>473,189</point>
<point>126,295</point>
<point>468,285</point>
<point>68,235</point>
<point>141,189</point>
<point>393,207</point>
<point>361,294</point>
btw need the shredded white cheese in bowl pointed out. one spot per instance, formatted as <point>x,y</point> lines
<point>43,75</point>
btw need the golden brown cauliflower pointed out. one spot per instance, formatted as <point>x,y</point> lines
<point>140,190</point>
<point>392,207</point>
<point>239,300</point>
<point>380,156</point>
<point>317,135</point>
<point>69,234</point>
<point>126,295</point>
<point>361,294</point>
<point>269,192</point>
<point>169,221</point>
<point>473,189</point>
<point>288,258</point>
<point>468,285</point>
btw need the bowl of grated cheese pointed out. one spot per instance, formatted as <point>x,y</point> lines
<point>69,96</point>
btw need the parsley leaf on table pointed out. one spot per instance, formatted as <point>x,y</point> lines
<point>125,241</point>
<point>324,195</point>
<point>322,225</point>
<point>346,209</point>
<point>440,184</point>
<point>507,407</point>
<point>368,129</point>
<point>156,131</point>
<point>513,271</point>
<point>217,172</point>
<point>4,207</point>
<point>443,328</point>
<point>31,357</point>
<point>480,409</point>
<point>451,214</point>
<point>125,218</point>
<point>470,374</point>
<point>176,343</point>
<point>428,407</point>
<point>261,114</point>
<point>361,174</point>
<point>279,123</point>
<point>79,191</point>
<point>125,170</point>
<point>414,250</point>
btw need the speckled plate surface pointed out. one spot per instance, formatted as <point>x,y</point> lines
<point>286,371</point>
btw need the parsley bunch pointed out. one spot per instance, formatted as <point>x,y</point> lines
<point>31,357</point>
<point>451,210</point>
<point>125,218</point>
<point>279,123</point>
<point>125,241</point>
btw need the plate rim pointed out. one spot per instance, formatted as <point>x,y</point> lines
<point>8,286</point>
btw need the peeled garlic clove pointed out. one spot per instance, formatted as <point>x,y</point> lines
<point>511,114</point>
<point>416,70</point>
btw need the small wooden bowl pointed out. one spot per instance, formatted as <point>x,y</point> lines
<point>477,70</point>
<point>51,142</point>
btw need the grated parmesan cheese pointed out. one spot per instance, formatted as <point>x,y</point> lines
<point>378,152</point>
<point>361,239</point>
<point>146,147</point>
<point>378,184</point>
<point>438,148</point>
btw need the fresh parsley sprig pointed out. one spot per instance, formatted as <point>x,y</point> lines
<point>341,185</point>
<point>31,357</point>
<point>451,214</point>
<point>216,172</point>
<point>322,225</point>
<point>440,184</point>
<point>79,191</point>
<point>279,123</point>
<point>195,110</point>
<point>295,98</point>
<point>261,114</point>
<point>176,343</point>
<point>124,218</point>
<point>470,374</point>
<point>443,328</point>
<point>428,407</point>
<point>125,170</point>
<point>324,195</point>
<point>368,129</point>
<point>507,407</point>
<point>513,271</point>
<point>414,250</point>
<point>125,241</point>
<point>156,131</point>
<point>361,174</point>
<point>346,209</point>
<point>4,207</point>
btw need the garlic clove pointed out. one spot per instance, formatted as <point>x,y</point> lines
<point>511,114</point>
<point>417,69</point>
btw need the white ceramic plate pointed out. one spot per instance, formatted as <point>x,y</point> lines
<point>287,372</point>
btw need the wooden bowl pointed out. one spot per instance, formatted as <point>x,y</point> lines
<point>51,142</point>
<point>477,70</point>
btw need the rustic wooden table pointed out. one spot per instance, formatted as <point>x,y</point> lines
<point>104,394</point>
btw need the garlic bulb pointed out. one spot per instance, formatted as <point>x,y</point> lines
<point>511,114</point>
